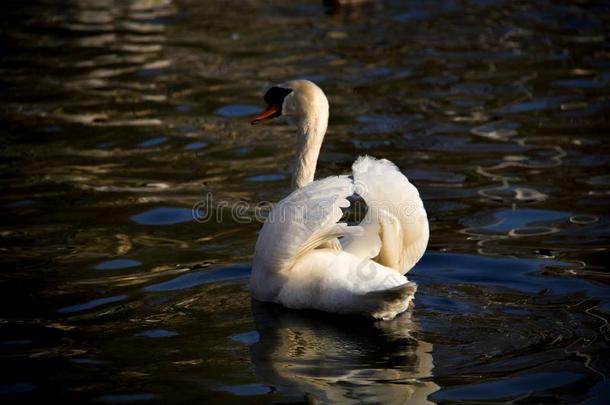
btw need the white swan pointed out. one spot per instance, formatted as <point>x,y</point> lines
<point>304,257</point>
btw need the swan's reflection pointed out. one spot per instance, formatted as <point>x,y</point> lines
<point>340,359</point>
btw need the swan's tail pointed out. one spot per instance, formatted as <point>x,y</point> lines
<point>386,304</point>
<point>396,221</point>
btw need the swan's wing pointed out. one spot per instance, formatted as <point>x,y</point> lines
<point>396,212</point>
<point>304,220</point>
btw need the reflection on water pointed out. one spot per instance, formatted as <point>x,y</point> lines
<point>117,117</point>
<point>341,359</point>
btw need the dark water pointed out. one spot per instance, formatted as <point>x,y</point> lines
<point>118,119</point>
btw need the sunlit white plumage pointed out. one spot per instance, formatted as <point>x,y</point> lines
<point>305,258</point>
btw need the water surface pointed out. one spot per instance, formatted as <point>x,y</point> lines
<point>119,117</point>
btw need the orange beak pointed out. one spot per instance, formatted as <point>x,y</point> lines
<point>270,112</point>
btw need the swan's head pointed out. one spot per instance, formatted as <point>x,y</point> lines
<point>296,101</point>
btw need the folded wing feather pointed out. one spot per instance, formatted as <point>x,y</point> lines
<point>304,220</point>
<point>396,213</point>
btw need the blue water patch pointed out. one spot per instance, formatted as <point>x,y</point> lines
<point>241,151</point>
<point>378,123</point>
<point>473,88</point>
<point>443,304</point>
<point>580,83</point>
<point>506,220</point>
<point>507,388</point>
<point>379,72</point>
<point>379,120</point>
<point>184,108</point>
<point>195,279</point>
<point>535,104</point>
<point>157,333</point>
<point>19,203</point>
<point>149,143</point>
<point>91,304</point>
<point>186,128</point>
<point>122,398</point>
<point>16,388</point>
<point>238,110</point>
<point>152,72</point>
<point>515,311</point>
<point>247,389</point>
<point>106,145</point>
<point>17,342</point>
<point>84,360</point>
<point>163,216</point>
<point>412,16</point>
<point>247,338</point>
<point>579,23</point>
<point>441,80</point>
<point>526,106</point>
<point>599,393</point>
<point>523,275</point>
<point>52,129</point>
<point>117,264</point>
<point>195,145</point>
<point>266,177</point>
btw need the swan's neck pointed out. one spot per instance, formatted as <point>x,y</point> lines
<point>311,130</point>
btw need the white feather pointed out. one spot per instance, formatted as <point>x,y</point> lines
<point>398,209</point>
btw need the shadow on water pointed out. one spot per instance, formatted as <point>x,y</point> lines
<point>341,359</point>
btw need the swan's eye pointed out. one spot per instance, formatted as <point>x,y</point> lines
<point>276,95</point>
